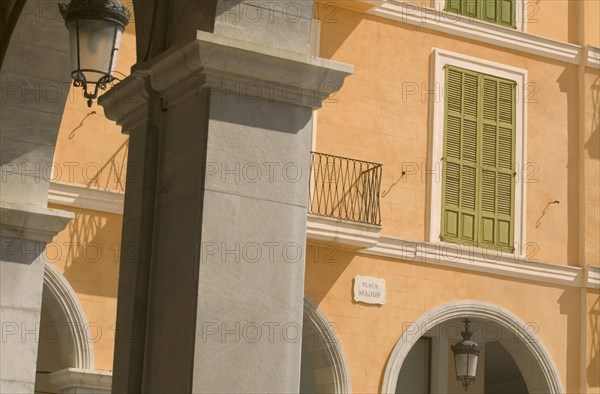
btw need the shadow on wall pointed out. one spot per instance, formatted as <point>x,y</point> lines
<point>565,84</point>
<point>592,145</point>
<point>336,32</point>
<point>593,368</point>
<point>569,306</point>
<point>90,248</point>
<point>325,263</point>
<point>112,174</point>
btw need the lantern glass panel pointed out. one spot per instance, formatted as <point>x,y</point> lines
<point>460,363</point>
<point>95,49</point>
<point>472,365</point>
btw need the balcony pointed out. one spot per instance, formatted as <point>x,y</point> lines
<point>344,201</point>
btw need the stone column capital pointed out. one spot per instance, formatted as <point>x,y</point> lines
<point>127,102</point>
<point>228,66</point>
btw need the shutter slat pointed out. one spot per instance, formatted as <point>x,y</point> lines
<point>470,95</point>
<point>490,93</point>
<point>468,187</point>
<point>469,142</point>
<point>452,184</point>
<point>453,141</point>
<point>454,91</point>
<point>505,182</point>
<point>488,191</point>
<point>505,102</point>
<point>505,148</point>
<point>488,154</point>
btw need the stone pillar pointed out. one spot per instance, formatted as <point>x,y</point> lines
<point>212,298</point>
<point>24,232</point>
<point>34,84</point>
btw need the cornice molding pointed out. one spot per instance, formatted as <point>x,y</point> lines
<point>592,275</point>
<point>31,222</point>
<point>80,196</point>
<point>593,56</point>
<point>468,28</point>
<point>349,235</point>
<point>367,239</point>
<point>480,260</point>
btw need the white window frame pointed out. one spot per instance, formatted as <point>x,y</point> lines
<point>440,59</point>
<point>520,10</point>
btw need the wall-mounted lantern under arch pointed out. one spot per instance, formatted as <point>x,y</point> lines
<point>95,31</point>
<point>466,353</point>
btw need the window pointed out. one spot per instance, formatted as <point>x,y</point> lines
<point>500,12</point>
<point>478,171</point>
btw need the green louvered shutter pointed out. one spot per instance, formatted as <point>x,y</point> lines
<point>459,187</point>
<point>469,7</point>
<point>488,10</point>
<point>497,163</point>
<point>453,5</point>
<point>479,160</point>
<point>501,12</point>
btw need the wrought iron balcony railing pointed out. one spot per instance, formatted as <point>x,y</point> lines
<point>344,188</point>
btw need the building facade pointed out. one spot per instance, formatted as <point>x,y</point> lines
<point>455,174</point>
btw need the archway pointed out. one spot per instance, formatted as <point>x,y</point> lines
<point>529,354</point>
<point>326,358</point>
<point>65,340</point>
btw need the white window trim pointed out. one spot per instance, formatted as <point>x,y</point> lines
<point>520,17</point>
<point>441,58</point>
<point>474,29</point>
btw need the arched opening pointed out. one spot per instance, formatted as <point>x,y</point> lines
<point>512,360</point>
<point>429,365</point>
<point>324,367</point>
<point>65,340</point>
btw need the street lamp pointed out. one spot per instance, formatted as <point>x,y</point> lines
<point>95,31</point>
<point>466,353</point>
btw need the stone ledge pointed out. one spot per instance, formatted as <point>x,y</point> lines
<point>80,196</point>
<point>75,380</point>
<point>481,260</point>
<point>31,222</point>
<point>592,273</point>
<point>349,235</point>
<point>357,5</point>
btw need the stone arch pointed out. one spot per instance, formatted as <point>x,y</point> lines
<point>322,345</point>
<point>68,316</point>
<point>542,377</point>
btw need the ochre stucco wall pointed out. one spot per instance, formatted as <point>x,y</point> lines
<point>369,333</point>
<point>555,19</point>
<point>87,253</point>
<point>376,117</point>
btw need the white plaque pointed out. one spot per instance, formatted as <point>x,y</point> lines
<point>369,290</point>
